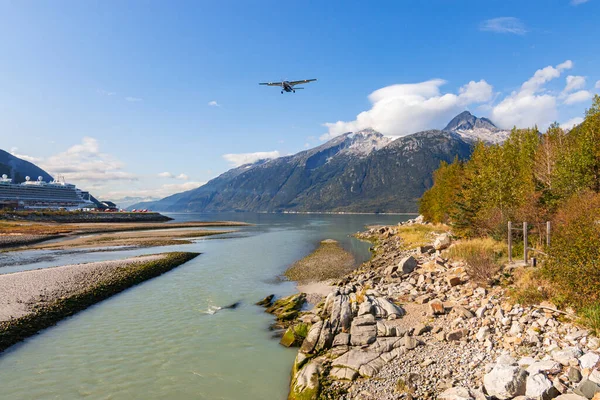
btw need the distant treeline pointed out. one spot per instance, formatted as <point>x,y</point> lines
<point>534,177</point>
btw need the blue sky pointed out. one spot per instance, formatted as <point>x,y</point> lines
<point>113,93</point>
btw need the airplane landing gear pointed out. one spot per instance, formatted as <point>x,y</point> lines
<point>294,91</point>
<point>282,92</point>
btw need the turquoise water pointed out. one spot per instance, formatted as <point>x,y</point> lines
<point>158,340</point>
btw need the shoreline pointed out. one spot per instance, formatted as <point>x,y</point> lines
<point>35,300</point>
<point>411,323</point>
<point>21,236</point>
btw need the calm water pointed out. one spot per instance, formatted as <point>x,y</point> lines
<point>158,340</point>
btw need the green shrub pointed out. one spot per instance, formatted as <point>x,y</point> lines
<point>573,265</point>
<point>590,317</point>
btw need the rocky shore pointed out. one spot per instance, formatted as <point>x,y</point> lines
<point>412,324</point>
<point>34,300</point>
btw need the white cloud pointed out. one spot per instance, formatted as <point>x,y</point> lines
<point>183,177</point>
<point>14,152</point>
<point>578,2</point>
<point>403,109</point>
<point>166,175</point>
<point>598,85</point>
<point>133,99</point>
<point>160,192</point>
<point>528,106</point>
<point>246,158</point>
<point>105,92</point>
<point>578,97</point>
<point>566,65</point>
<point>86,163</point>
<point>214,103</point>
<point>574,83</point>
<point>571,123</point>
<point>504,25</point>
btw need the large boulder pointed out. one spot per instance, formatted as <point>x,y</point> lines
<point>325,338</point>
<point>505,381</point>
<point>306,385</point>
<point>385,308</point>
<point>407,265</point>
<point>361,335</point>
<point>540,387</point>
<point>442,242</point>
<point>312,338</point>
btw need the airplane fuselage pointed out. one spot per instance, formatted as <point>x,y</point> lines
<point>285,85</point>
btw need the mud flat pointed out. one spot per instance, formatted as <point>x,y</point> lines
<point>34,300</point>
<point>14,235</point>
<point>328,261</point>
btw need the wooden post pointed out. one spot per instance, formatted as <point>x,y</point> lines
<point>509,242</point>
<point>548,233</point>
<point>525,242</point>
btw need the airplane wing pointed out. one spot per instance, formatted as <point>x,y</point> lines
<point>301,82</point>
<point>272,83</point>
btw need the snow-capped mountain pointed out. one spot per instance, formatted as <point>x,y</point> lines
<point>362,171</point>
<point>472,129</point>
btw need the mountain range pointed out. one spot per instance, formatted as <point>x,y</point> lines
<point>17,169</point>
<point>355,172</point>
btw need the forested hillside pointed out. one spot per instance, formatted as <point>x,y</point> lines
<point>533,177</point>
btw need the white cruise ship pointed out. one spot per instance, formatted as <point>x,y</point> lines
<point>43,195</point>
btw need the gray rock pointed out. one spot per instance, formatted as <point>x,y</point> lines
<point>574,375</point>
<point>456,393</point>
<point>354,359</point>
<point>409,342</point>
<point>341,339</point>
<point>345,315</point>
<point>325,338</point>
<point>366,307</point>
<point>306,380</point>
<point>587,388</point>
<point>385,308</point>
<point>548,366</point>
<point>505,381</point>
<point>483,333</point>
<point>407,265</point>
<point>372,368</point>
<point>367,319</point>
<point>457,334</point>
<point>309,343</point>
<point>565,355</point>
<point>463,312</point>
<point>421,329</point>
<point>442,242</point>
<point>589,360</point>
<point>342,373</point>
<point>538,386</point>
<point>570,396</point>
<point>363,334</point>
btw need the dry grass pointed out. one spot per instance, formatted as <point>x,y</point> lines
<point>414,236</point>
<point>465,249</point>
<point>528,287</point>
<point>482,267</point>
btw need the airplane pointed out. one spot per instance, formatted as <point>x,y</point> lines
<point>288,86</point>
